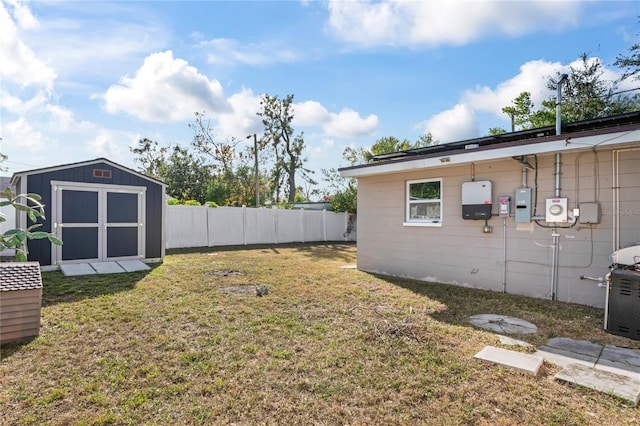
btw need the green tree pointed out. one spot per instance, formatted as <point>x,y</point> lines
<point>344,191</point>
<point>287,148</point>
<point>186,175</point>
<point>586,94</point>
<point>493,131</point>
<point>17,238</point>
<point>205,142</point>
<point>520,111</point>
<point>150,157</point>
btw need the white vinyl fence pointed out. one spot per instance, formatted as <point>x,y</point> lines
<point>9,213</point>
<point>201,226</point>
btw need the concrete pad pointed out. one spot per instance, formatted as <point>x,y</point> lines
<point>602,381</point>
<point>563,351</point>
<point>621,361</point>
<point>502,324</point>
<point>133,265</point>
<point>76,269</point>
<point>510,341</point>
<point>107,267</point>
<point>526,363</point>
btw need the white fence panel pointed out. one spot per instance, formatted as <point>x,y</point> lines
<point>186,227</point>
<point>201,226</point>
<point>336,226</point>
<point>313,225</point>
<point>226,225</point>
<point>289,226</point>
<point>8,213</point>
<point>260,226</point>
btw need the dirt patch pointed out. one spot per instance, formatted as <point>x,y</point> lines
<point>226,273</point>
<point>252,290</point>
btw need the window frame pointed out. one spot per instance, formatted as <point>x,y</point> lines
<point>408,202</point>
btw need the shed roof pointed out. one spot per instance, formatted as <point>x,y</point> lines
<point>20,276</point>
<point>588,134</point>
<point>83,163</point>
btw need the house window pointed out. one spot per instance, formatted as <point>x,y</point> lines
<point>424,202</point>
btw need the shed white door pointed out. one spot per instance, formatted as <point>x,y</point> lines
<point>98,224</point>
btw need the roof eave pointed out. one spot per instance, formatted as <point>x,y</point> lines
<point>623,136</point>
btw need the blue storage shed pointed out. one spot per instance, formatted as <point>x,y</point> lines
<point>101,211</point>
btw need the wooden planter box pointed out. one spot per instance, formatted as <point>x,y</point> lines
<point>20,300</point>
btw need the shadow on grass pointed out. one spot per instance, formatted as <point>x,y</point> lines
<point>329,250</point>
<point>553,319</point>
<point>58,288</point>
<point>8,349</point>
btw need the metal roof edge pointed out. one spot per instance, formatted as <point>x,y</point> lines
<point>623,136</point>
<point>83,163</point>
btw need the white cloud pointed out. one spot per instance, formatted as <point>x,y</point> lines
<point>398,22</point>
<point>165,89</point>
<point>16,105</point>
<point>455,124</point>
<point>241,120</point>
<point>345,124</point>
<point>310,113</point>
<point>23,16</point>
<point>22,134</point>
<point>104,145</point>
<point>228,51</point>
<point>348,124</point>
<point>532,78</point>
<point>19,63</point>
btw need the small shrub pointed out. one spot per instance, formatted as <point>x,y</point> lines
<point>192,203</point>
<point>211,204</point>
<point>173,202</point>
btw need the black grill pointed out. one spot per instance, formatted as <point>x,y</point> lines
<point>623,308</point>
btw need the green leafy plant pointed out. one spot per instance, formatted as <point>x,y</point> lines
<point>17,238</point>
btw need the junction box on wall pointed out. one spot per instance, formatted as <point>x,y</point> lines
<point>523,205</point>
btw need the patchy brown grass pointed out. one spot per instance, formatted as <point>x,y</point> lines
<point>325,346</point>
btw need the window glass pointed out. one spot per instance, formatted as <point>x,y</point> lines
<point>424,201</point>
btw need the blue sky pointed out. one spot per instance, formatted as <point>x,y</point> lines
<point>88,79</point>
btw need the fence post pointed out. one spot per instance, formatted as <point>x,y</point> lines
<point>274,211</point>
<point>324,224</point>
<point>244,225</point>
<point>302,224</point>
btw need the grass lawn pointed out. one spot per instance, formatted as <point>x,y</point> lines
<point>326,345</point>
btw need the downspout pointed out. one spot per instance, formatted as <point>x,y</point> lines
<point>555,238</point>
<point>554,231</point>
<point>504,254</point>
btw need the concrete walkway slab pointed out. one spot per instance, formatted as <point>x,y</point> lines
<point>107,267</point>
<point>133,265</point>
<point>620,361</point>
<point>563,352</point>
<point>603,381</point>
<point>526,363</point>
<point>76,269</point>
<point>502,324</point>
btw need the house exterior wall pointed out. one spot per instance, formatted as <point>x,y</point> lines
<point>40,183</point>
<point>458,252</point>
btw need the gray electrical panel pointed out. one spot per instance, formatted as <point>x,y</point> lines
<point>476,200</point>
<point>523,205</point>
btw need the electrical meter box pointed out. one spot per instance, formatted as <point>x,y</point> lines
<point>523,205</point>
<point>556,211</point>
<point>476,200</point>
